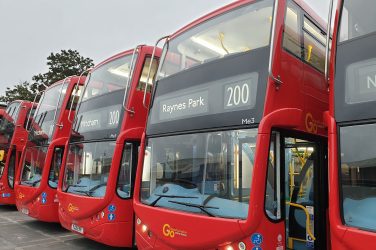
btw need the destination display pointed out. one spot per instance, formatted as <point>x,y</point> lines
<point>220,96</point>
<point>361,82</point>
<point>99,119</point>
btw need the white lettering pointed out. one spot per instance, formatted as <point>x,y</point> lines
<point>238,95</point>
<point>248,121</point>
<point>190,104</point>
<point>371,81</point>
<point>175,107</point>
<point>196,103</point>
<point>114,117</point>
<point>89,123</point>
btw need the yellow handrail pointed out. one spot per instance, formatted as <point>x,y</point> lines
<point>308,223</point>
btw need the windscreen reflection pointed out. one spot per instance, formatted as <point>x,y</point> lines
<point>87,168</point>
<point>205,173</point>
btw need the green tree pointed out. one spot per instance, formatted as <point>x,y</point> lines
<point>20,91</point>
<point>60,65</point>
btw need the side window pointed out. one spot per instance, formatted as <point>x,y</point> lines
<point>57,159</point>
<point>144,74</point>
<point>314,45</point>
<point>74,98</point>
<point>29,118</point>
<point>127,167</point>
<point>62,93</point>
<point>272,195</point>
<point>12,168</point>
<point>291,37</point>
<point>13,109</point>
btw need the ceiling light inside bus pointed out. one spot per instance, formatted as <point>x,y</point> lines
<point>208,45</point>
<point>122,70</point>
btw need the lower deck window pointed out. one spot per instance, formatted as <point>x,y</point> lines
<point>358,175</point>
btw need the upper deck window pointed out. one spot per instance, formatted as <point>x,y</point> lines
<point>13,109</point>
<point>358,19</point>
<point>52,98</point>
<point>108,78</point>
<point>240,30</point>
<point>291,37</point>
<point>144,74</point>
<point>314,45</point>
<point>297,25</point>
<point>74,98</point>
<point>355,75</point>
<point>100,111</point>
<point>47,112</point>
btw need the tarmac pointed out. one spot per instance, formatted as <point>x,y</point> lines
<point>19,232</point>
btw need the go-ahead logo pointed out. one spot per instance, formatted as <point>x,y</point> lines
<point>168,231</point>
<point>72,208</point>
<point>311,124</point>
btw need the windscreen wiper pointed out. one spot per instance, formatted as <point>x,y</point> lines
<point>31,183</point>
<point>97,186</point>
<point>73,185</point>
<point>160,196</point>
<point>203,208</point>
<point>34,183</point>
<point>88,193</point>
<point>184,183</point>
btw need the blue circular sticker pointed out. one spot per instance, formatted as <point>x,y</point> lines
<point>44,200</point>
<point>44,195</point>
<point>111,217</point>
<point>111,208</point>
<point>256,239</point>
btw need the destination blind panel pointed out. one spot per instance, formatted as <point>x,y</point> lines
<point>361,82</point>
<point>220,96</point>
<point>355,79</point>
<point>100,119</point>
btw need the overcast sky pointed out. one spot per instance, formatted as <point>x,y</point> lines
<point>31,29</point>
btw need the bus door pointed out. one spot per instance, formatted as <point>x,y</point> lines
<point>303,190</point>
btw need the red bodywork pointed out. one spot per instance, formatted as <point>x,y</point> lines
<point>92,213</point>
<point>17,143</point>
<point>29,198</point>
<point>298,104</point>
<point>342,236</point>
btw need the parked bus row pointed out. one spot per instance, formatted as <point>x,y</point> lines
<point>250,128</point>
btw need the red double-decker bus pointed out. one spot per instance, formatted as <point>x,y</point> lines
<point>100,159</point>
<point>37,178</point>
<point>234,153</point>
<point>3,106</point>
<point>352,128</point>
<point>13,138</point>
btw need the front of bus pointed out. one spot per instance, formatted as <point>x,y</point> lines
<point>199,149</point>
<point>352,128</point>
<point>7,127</point>
<point>95,188</point>
<point>36,182</point>
<point>13,138</point>
<point>33,160</point>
